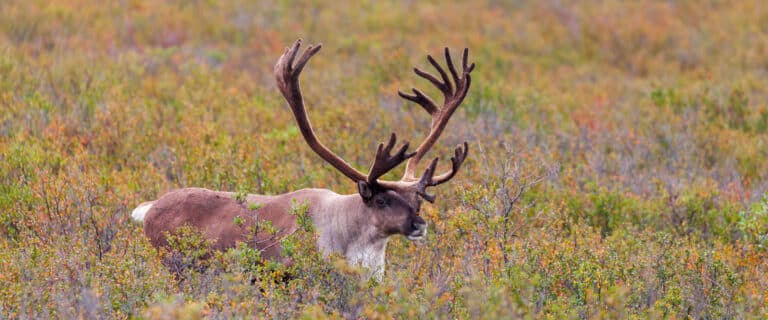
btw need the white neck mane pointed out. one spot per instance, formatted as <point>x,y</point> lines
<point>345,228</point>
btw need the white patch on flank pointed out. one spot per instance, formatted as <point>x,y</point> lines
<point>141,211</point>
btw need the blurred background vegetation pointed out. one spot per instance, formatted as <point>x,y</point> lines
<point>618,164</point>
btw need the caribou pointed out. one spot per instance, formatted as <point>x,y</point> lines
<point>356,226</point>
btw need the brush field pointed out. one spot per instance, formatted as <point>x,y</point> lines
<point>618,162</point>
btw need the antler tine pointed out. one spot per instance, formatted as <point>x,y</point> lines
<point>460,154</point>
<point>464,64</point>
<point>451,67</point>
<point>385,162</point>
<point>447,87</point>
<point>420,98</point>
<point>453,97</point>
<point>431,78</point>
<point>292,51</point>
<point>426,181</point>
<point>311,51</point>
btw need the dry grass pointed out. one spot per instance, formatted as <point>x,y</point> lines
<point>618,164</point>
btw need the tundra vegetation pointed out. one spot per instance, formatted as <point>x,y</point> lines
<point>619,161</point>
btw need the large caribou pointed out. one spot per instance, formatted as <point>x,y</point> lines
<point>356,226</point>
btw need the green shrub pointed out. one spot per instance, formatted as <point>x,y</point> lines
<point>617,157</point>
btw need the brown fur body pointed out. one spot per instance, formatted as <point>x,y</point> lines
<point>214,214</point>
<point>345,224</point>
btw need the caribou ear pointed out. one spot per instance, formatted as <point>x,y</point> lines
<point>365,190</point>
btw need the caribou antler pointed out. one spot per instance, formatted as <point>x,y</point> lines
<point>287,76</point>
<point>385,162</point>
<point>453,94</point>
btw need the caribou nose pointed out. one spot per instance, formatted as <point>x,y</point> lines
<point>418,225</point>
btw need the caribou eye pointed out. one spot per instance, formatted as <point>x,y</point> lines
<point>381,203</point>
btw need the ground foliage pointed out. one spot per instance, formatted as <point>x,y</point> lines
<point>617,167</point>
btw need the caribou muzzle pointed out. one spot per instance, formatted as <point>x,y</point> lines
<point>418,230</point>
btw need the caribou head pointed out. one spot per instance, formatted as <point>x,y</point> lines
<point>356,226</point>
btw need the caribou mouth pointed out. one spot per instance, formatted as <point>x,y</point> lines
<point>418,235</point>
